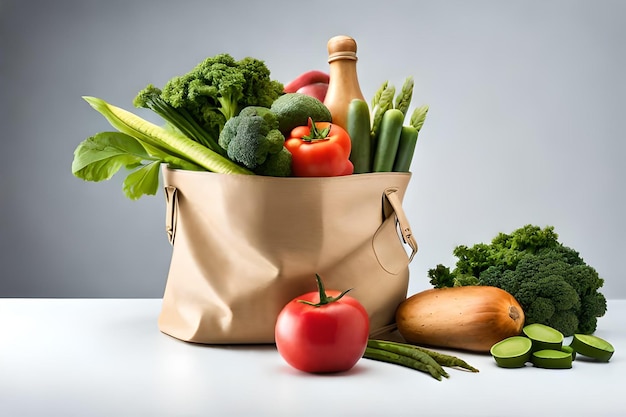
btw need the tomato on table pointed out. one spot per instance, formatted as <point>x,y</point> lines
<point>321,149</point>
<point>323,331</point>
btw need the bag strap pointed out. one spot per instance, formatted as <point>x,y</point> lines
<point>171,212</point>
<point>405,228</point>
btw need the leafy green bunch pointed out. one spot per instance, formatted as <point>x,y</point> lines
<point>551,281</point>
<point>218,88</point>
<point>195,107</point>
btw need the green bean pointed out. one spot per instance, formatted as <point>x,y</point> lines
<point>397,359</point>
<point>441,358</point>
<point>407,350</point>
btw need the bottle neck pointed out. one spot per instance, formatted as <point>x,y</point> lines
<point>343,71</point>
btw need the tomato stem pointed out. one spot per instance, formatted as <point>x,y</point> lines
<point>316,135</point>
<point>324,298</point>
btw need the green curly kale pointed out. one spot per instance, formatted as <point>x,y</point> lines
<point>552,283</point>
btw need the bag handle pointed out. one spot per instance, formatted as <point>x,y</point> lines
<point>171,212</point>
<point>405,228</point>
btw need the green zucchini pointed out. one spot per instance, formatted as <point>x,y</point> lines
<point>406,149</point>
<point>387,140</point>
<point>358,128</point>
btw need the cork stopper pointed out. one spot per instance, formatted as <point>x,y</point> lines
<point>341,47</point>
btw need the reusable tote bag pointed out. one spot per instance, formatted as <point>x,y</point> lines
<point>245,245</point>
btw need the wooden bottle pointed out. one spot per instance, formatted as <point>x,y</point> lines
<point>344,83</point>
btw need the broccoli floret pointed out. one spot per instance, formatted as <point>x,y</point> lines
<point>566,321</point>
<point>252,138</point>
<point>219,87</point>
<point>500,277</point>
<point>552,283</point>
<point>276,165</point>
<point>592,306</point>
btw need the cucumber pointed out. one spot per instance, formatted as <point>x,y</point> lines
<point>358,128</point>
<point>406,148</point>
<point>512,352</point>
<point>543,337</point>
<point>387,140</point>
<point>592,346</point>
<point>552,359</point>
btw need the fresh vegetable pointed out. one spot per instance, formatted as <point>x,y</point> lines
<point>320,149</point>
<point>542,345</point>
<point>276,165</point>
<point>551,281</point>
<point>358,128</point>
<point>418,117</point>
<point>403,99</point>
<point>543,337</point>
<point>142,146</point>
<point>195,107</point>
<point>406,147</point>
<point>252,138</point>
<point>468,318</point>
<point>295,109</point>
<point>317,90</point>
<point>405,356</point>
<point>393,144</point>
<point>180,118</point>
<point>512,352</point>
<point>551,359</point>
<point>381,102</point>
<point>219,87</point>
<point>414,357</point>
<point>592,346</point>
<point>307,78</point>
<point>408,140</point>
<point>322,331</point>
<point>387,140</point>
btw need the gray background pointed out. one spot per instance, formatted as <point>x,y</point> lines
<point>527,104</point>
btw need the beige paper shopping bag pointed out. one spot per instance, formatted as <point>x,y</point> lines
<point>244,246</point>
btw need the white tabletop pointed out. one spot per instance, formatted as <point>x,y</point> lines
<point>106,357</point>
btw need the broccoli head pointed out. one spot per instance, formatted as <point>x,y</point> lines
<point>552,283</point>
<point>276,165</point>
<point>217,88</point>
<point>252,139</point>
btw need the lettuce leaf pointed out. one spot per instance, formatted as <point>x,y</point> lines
<point>101,156</point>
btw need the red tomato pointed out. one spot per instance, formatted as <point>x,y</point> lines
<point>324,331</point>
<point>321,149</point>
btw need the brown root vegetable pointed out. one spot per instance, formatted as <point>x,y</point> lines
<point>470,318</point>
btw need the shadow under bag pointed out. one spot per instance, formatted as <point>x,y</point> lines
<point>246,245</point>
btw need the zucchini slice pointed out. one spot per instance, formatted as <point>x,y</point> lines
<point>543,337</point>
<point>552,359</point>
<point>592,346</point>
<point>512,352</point>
